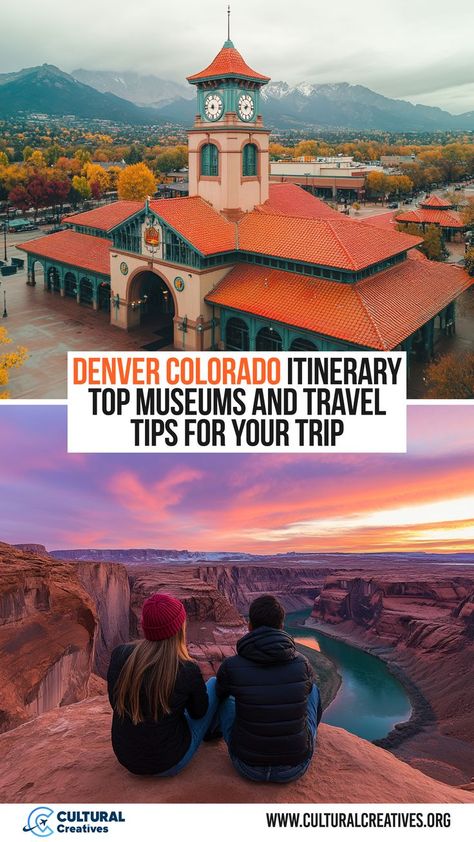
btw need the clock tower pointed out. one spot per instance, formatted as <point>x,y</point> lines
<point>228,144</point>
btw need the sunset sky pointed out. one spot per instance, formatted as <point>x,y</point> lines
<point>423,500</point>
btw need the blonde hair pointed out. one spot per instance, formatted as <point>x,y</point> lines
<point>152,666</point>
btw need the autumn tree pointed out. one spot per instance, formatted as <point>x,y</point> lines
<point>136,182</point>
<point>97,178</point>
<point>433,245</point>
<point>3,159</point>
<point>9,360</point>
<point>469,261</point>
<point>376,184</point>
<point>81,188</point>
<point>451,377</point>
<point>467,213</point>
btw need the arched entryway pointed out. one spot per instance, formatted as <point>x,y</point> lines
<point>152,306</point>
<point>303,345</point>
<point>236,335</point>
<point>268,339</point>
<point>86,292</point>
<point>53,282</point>
<point>103,296</point>
<point>70,285</point>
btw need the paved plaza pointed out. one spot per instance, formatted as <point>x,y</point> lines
<point>49,326</point>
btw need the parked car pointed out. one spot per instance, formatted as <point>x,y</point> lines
<point>393,205</point>
<point>55,229</point>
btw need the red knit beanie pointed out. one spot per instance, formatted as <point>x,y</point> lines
<point>162,616</point>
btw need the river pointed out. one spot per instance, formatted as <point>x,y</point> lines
<point>370,700</point>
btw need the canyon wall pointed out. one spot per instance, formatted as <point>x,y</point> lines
<point>48,628</point>
<point>108,586</point>
<point>295,585</point>
<point>422,626</point>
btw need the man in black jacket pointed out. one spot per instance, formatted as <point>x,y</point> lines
<point>270,705</point>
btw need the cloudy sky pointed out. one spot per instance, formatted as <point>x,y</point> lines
<point>423,500</point>
<point>410,49</point>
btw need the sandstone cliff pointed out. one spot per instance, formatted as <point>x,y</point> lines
<point>108,586</point>
<point>296,585</point>
<point>65,756</point>
<point>47,633</point>
<point>423,628</point>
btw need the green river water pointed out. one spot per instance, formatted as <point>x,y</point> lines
<point>370,700</point>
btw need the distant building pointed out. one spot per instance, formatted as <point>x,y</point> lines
<point>390,161</point>
<point>435,211</point>
<point>338,177</point>
<point>246,262</point>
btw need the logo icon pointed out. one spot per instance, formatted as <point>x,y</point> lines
<point>124,268</point>
<point>178,284</point>
<point>38,822</point>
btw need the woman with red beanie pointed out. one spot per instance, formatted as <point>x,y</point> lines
<point>162,708</point>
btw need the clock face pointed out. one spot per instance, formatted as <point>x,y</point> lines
<point>213,106</point>
<point>246,107</point>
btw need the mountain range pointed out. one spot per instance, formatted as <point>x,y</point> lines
<point>132,98</point>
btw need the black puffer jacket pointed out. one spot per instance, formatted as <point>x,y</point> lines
<point>155,746</point>
<point>271,683</point>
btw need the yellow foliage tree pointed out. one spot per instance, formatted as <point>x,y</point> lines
<point>8,360</point>
<point>96,174</point>
<point>136,182</point>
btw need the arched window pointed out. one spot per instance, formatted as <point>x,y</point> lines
<point>303,345</point>
<point>70,287</point>
<point>209,159</point>
<point>236,335</point>
<point>249,159</point>
<point>268,339</point>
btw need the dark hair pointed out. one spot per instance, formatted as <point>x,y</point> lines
<point>266,611</point>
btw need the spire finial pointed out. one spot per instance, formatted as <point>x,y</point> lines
<point>228,22</point>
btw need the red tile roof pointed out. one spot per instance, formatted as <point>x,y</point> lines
<point>197,222</point>
<point>436,202</point>
<point>336,242</point>
<point>228,62</point>
<point>372,313</point>
<point>106,217</point>
<point>290,200</point>
<point>81,250</point>
<point>381,220</point>
<point>426,216</point>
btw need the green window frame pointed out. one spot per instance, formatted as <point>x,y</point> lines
<point>209,159</point>
<point>249,160</point>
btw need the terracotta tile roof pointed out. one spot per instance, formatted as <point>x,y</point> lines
<point>336,242</point>
<point>436,202</point>
<point>198,222</point>
<point>290,200</point>
<point>81,250</point>
<point>426,216</point>
<point>416,254</point>
<point>372,313</point>
<point>228,62</point>
<point>106,217</point>
<point>381,220</point>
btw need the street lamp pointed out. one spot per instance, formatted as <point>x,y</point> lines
<point>5,241</point>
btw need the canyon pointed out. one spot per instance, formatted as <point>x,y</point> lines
<point>60,619</point>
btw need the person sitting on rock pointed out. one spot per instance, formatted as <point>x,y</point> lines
<point>270,704</point>
<point>162,708</point>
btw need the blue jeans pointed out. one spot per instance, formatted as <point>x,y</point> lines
<point>198,728</point>
<point>274,774</point>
